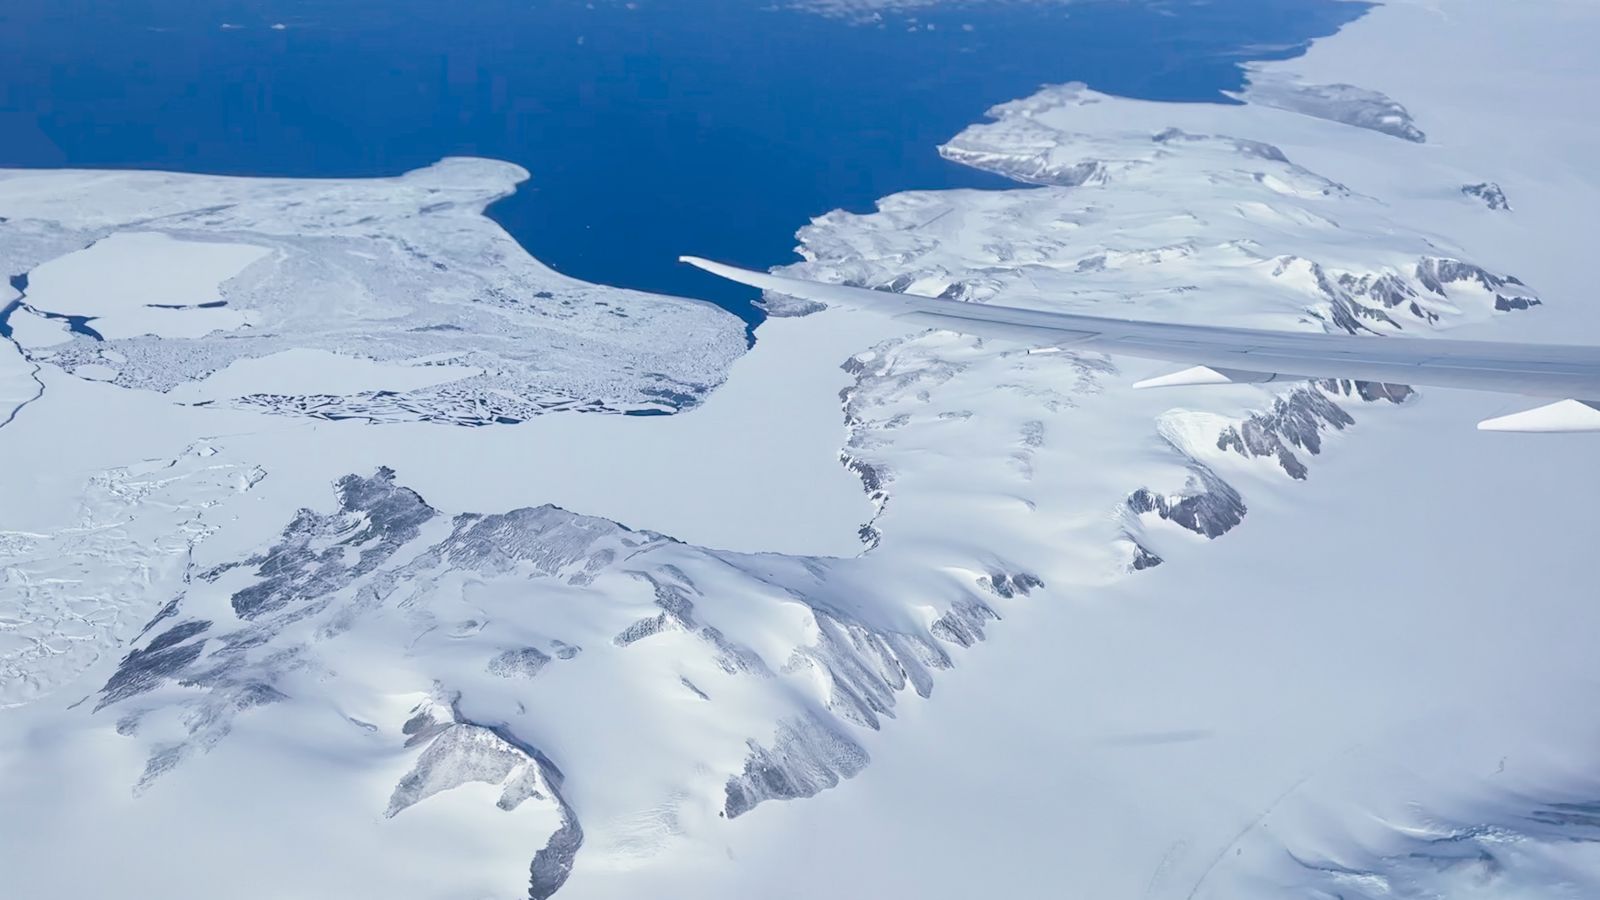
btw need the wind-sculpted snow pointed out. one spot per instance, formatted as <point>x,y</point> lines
<point>1546,852</point>
<point>1514,821</point>
<point>432,312</point>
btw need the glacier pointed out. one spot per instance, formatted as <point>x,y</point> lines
<point>870,613</point>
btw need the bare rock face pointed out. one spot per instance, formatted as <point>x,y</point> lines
<point>1296,420</point>
<point>1437,273</point>
<point>311,561</point>
<point>522,662</point>
<point>1488,192</point>
<point>805,757</point>
<point>1206,506</point>
<point>461,752</point>
<point>1143,558</point>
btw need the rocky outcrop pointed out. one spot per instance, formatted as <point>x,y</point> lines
<point>804,758</point>
<point>1488,192</point>
<point>1207,506</point>
<point>383,564</point>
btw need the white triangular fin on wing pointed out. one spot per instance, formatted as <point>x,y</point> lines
<point>1563,415</point>
<point>1207,375</point>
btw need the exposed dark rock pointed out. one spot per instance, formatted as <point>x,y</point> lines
<point>253,694</point>
<point>312,558</point>
<point>693,689</point>
<point>733,657</point>
<point>552,865</point>
<point>461,751</point>
<point>523,662</point>
<point>1207,505</point>
<point>964,622</point>
<point>1008,586</point>
<point>1436,273</point>
<point>422,726</point>
<point>807,757</point>
<point>642,629</point>
<point>456,755</point>
<point>161,659</point>
<point>1369,391</point>
<point>874,478</point>
<point>1296,420</point>
<point>551,540</point>
<point>1490,193</point>
<point>1143,558</point>
<point>366,556</point>
<point>167,611</point>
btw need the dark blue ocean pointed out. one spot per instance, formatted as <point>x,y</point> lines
<point>652,128</point>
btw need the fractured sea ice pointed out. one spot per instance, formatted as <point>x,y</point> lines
<point>384,299</point>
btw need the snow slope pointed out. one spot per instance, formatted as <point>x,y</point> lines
<point>886,614</point>
<point>1376,685</point>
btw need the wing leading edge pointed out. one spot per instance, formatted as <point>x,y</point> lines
<point>1221,355</point>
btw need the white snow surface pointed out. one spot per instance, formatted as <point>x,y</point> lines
<point>400,271</point>
<point>134,283</point>
<point>389,657</point>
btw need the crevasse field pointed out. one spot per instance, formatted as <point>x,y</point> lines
<point>346,550</point>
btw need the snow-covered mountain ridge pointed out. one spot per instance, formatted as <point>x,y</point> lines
<point>329,658</point>
<point>1135,217</point>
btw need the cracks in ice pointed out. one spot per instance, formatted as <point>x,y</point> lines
<point>19,283</point>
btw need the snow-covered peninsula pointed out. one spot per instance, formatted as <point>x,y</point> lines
<point>327,560</point>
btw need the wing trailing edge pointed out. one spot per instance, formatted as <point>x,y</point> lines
<point>1223,355</point>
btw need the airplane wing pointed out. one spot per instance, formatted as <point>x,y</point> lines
<point>1220,355</point>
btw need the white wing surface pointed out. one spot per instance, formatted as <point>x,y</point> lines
<point>1219,355</point>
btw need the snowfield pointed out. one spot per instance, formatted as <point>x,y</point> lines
<point>872,613</point>
<point>404,271</point>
